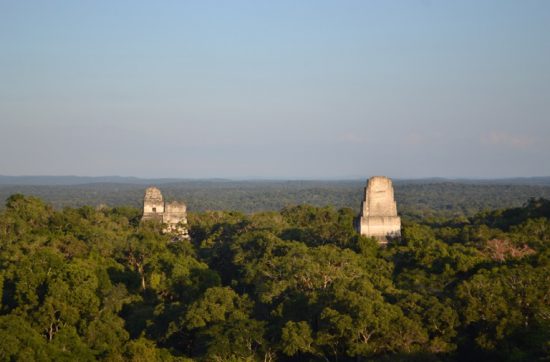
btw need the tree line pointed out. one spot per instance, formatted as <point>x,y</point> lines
<point>418,199</point>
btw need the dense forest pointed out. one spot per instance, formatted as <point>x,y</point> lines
<point>297,284</point>
<point>416,198</point>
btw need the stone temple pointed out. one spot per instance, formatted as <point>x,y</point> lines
<point>378,217</point>
<point>173,215</point>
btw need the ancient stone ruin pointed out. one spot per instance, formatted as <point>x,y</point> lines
<point>173,215</point>
<point>378,217</point>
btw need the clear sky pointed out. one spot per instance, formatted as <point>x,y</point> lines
<point>275,89</point>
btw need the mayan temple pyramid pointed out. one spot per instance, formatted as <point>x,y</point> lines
<point>378,217</point>
<point>172,214</point>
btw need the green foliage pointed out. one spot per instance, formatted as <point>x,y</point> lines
<point>296,337</point>
<point>222,319</point>
<point>20,342</point>
<point>96,284</point>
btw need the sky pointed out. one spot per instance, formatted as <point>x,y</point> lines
<point>275,89</point>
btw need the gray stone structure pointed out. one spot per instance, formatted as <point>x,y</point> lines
<point>173,215</point>
<point>378,217</point>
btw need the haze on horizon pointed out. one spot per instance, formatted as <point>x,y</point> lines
<point>286,89</point>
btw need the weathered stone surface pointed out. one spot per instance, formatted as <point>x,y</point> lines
<point>378,217</point>
<point>172,214</point>
<point>175,218</point>
<point>153,204</point>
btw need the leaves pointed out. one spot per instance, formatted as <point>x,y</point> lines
<point>86,284</point>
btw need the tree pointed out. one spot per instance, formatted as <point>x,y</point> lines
<point>221,318</point>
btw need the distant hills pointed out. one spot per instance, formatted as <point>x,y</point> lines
<point>84,180</point>
<point>77,180</point>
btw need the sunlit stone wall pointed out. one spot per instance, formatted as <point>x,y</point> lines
<point>378,217</point>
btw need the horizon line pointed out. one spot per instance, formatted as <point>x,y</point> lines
<point>277,178</point>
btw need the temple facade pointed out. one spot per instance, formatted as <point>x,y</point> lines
<point>378,216</point>
<point>173,215</point>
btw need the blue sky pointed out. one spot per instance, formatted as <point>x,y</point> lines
<point>275,89</point>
